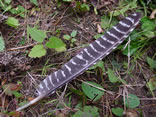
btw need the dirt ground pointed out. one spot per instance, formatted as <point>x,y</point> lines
<point>16,66</point>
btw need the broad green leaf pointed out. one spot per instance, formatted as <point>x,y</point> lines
<point>55,42</point>
<point>92,92</point>
<point>88,111</point>
<point>117,111</point>
<point>67,37</point>
<point>13,22</point>
<point>111,76</point>
<point>151,62</point>
<point>34,2</point>
<point>37,51</point>
<point>2,44</point>
<point>132,101</point>
<point>36,34</point>
<point>74,32</point>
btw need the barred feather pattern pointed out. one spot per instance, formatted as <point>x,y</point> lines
<point>87,57</point>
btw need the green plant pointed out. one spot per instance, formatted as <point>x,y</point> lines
<point>117,111</point>
<point>92,91</point>
<point>2,44</point>
<point>132,101</point>
<point>88,111</point>
<point>39,50</point>
<point>13,22</point>
<point>71,37</point>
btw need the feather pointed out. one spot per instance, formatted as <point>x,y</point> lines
<point>86,58</point>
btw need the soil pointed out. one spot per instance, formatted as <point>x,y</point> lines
<point>16,66</point>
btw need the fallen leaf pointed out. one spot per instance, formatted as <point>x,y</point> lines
<point>99,29</point>
<point>152,16</point>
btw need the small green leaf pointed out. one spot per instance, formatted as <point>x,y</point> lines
<point>67,37</point>
<point>97,36</point>
<point>111,76</point>
<point>55,42</point>
<point>88,111</point>
<point>84,7</point>
<point>13,22</point>
<point>132,101</point>
<point>74,33</point>
<point>37,35</point>
<point>7,89</point>
<point>2,44</point>
<point>23,103</point>
<point>17,94</point>
<point>100,64</point>
<point>34,2</point>
<point>37,51</point>
<point>8,1</point>
<point>92,92</point>
<point>151,62</point>
<point>152,84</point>
<point>117,111</point>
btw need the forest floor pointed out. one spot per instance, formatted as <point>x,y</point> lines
<point>129,71</point>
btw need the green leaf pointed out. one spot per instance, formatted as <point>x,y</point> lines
<point>97,36</point>
<point>100,64</point>
<point>67,37</point>
<point>151,62</point>
<point>84,7</point>
<point>37,51</point>
<point>147,24</point>
<point>18,10</point>
<point>61,49</point>
<point>74,32</point>
<point>67,0</point>
<point>111,76</point>
<point>104,22</point>
<point>152,84</point>
<point>117,111</point>
<point>8,1</point>
<point>2,44</point>
<point>7,8</point>
<point>17,94</point>
<point>132,101</point>
<point>23,103</point>
<point>92,92</point>
<point>37,35</point>
<point>7,89</point>
<point>34,2</point>
<point>13,22</point>
<point>88,111</point>
<point>55,42</point>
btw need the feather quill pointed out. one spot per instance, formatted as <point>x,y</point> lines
<point>86,58</point>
